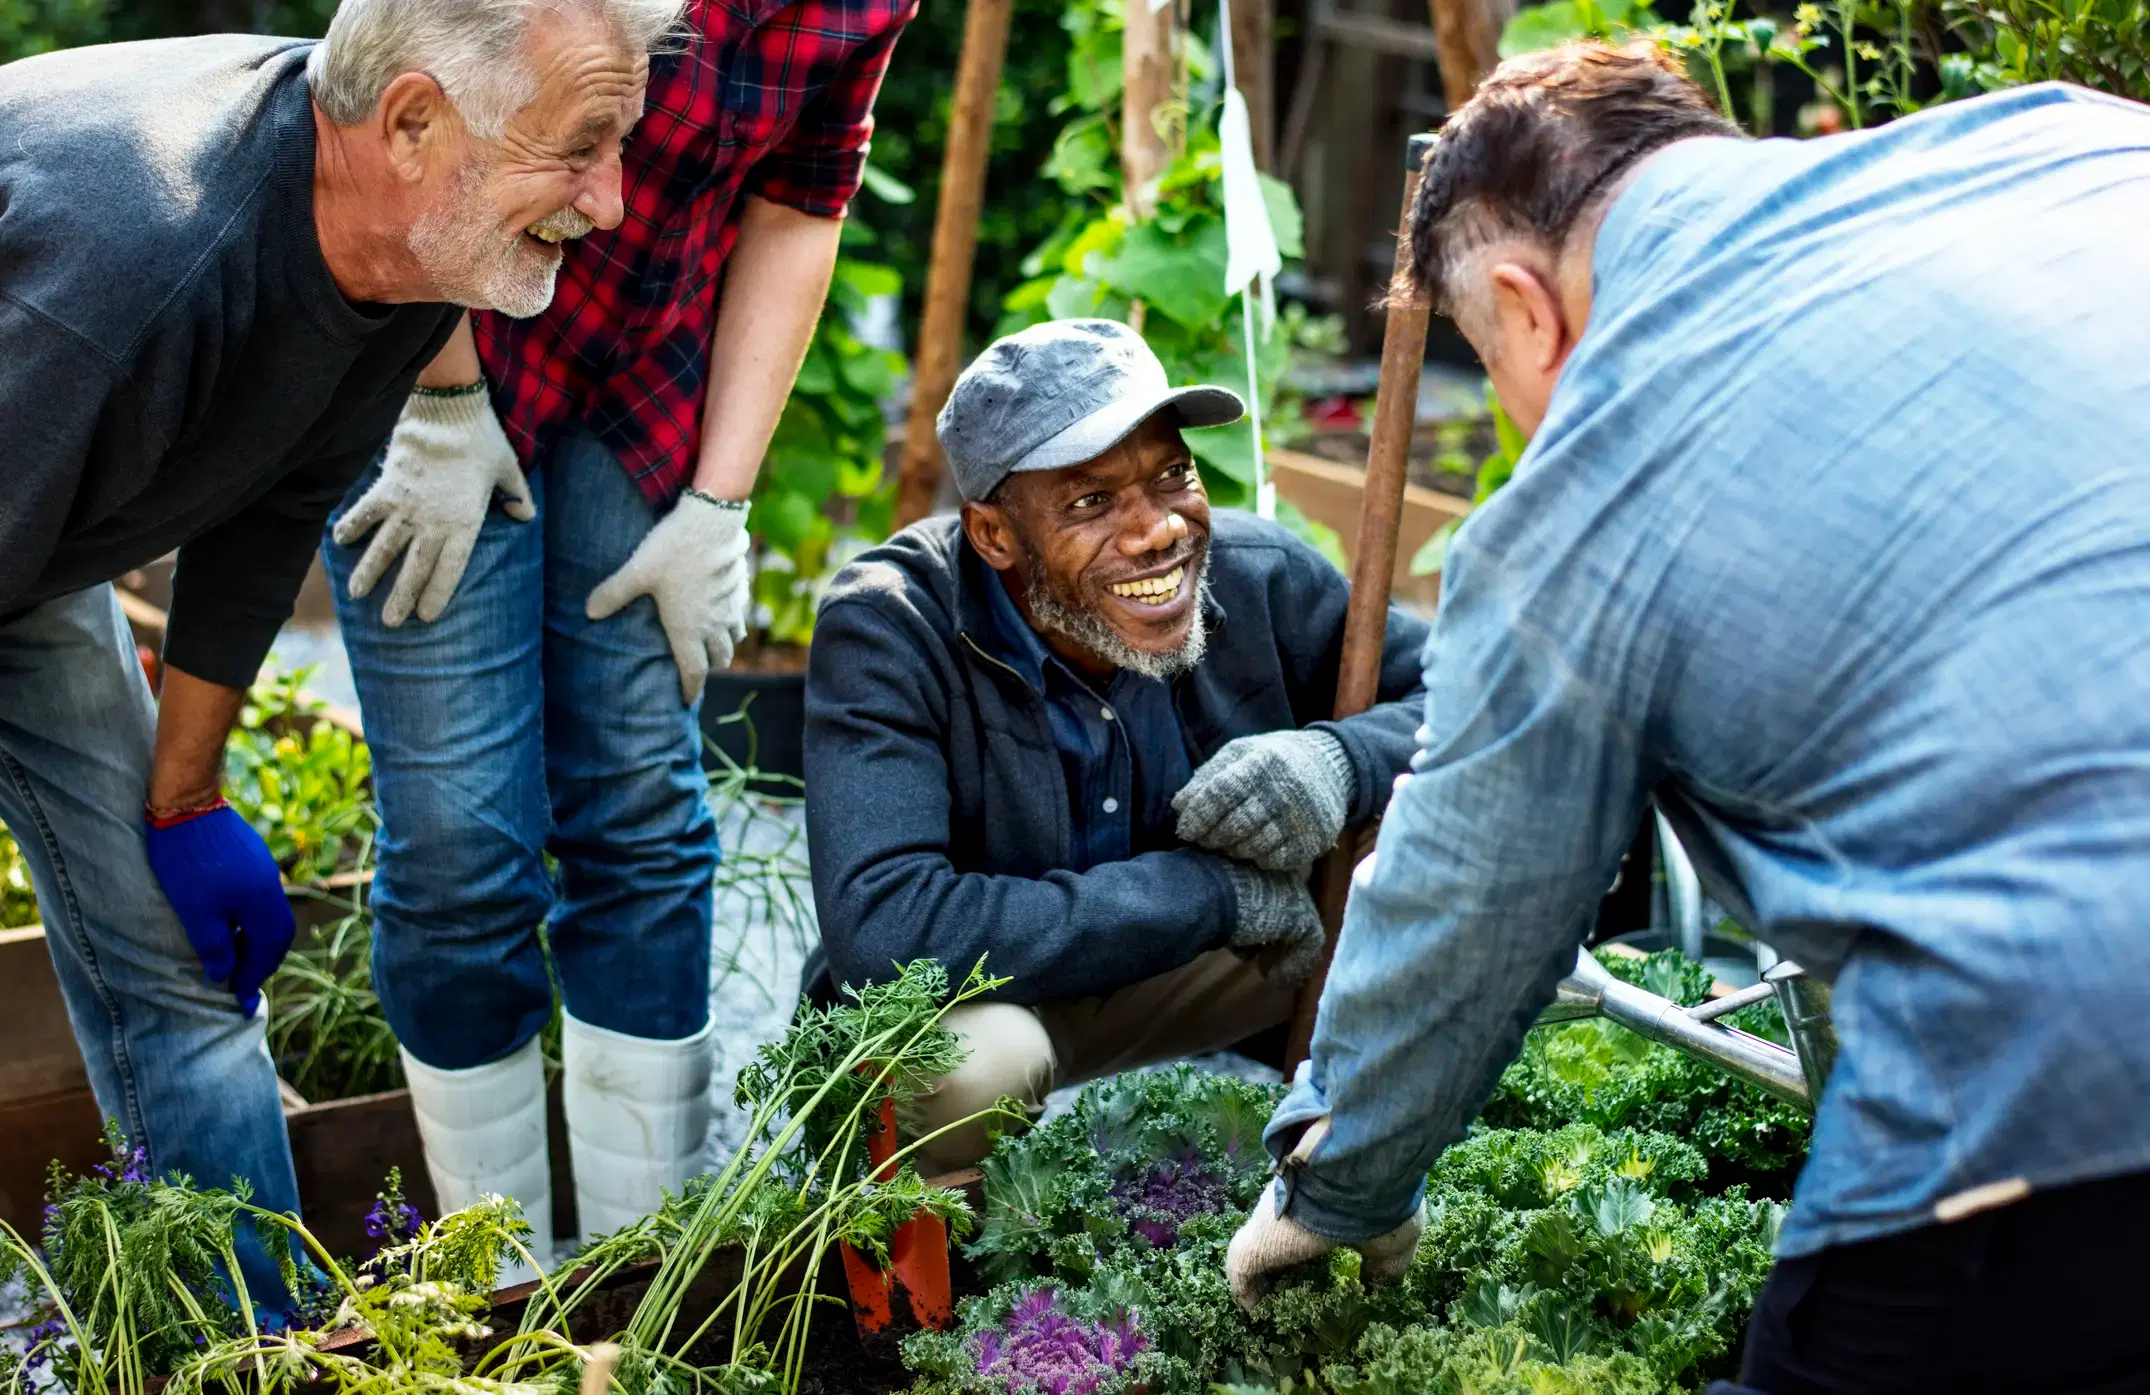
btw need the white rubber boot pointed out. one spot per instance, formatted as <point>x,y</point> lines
<point>484,1131</point>
<point>637,1120</point>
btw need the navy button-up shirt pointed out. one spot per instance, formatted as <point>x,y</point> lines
<point>1121,749</point>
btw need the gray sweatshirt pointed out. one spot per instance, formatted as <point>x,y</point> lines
<point>177,367</point>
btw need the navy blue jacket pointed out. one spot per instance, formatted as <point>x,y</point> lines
<point>937,811</point>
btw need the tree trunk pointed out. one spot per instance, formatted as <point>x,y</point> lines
<point>1148,69</point>
<point>955,246</point>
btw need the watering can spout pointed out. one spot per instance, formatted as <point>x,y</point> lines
<point>1590,991</point>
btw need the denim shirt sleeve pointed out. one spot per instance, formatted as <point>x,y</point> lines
<point>1494,853</point>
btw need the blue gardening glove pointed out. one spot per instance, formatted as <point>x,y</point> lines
<point>219,877</point>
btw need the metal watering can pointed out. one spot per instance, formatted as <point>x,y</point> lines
<point>1794,1076</point>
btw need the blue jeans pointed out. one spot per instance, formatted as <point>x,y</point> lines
<point>513,727</point>
<point>169,1057</point>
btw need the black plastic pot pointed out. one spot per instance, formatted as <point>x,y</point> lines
<point>758,720</point>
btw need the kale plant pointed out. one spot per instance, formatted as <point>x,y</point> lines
<point>1036,1341</point>
<point>1599,1073</point>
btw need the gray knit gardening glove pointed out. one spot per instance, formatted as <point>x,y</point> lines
<point>1279,925</point>
<point>1277,800</point>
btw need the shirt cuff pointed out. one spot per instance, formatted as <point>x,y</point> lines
<point>1314,1196</point>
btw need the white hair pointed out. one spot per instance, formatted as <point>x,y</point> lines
<point>472,48</point>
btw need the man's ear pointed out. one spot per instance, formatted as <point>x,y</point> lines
<point>1528,317</point>
<point>414,119</point>
<point>993,535</point>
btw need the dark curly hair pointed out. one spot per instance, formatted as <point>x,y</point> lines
<point>1545,134</point>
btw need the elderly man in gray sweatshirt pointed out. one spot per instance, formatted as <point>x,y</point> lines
<point>223,263</point>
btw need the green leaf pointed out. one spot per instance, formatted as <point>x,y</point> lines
<point>817,376</point>
<point>885,186</point>
<point>784,518</point>
<point>1182,281</point>
<point>1433,554</point>
<point>1559,1333</point>
<point>1229,450</point>
<point>1284,218</point>
<point>1620,1204</point>
<point>870,279</point>
<point>1536,27</point>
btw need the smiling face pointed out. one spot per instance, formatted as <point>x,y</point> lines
<point>491,237</point>
<point>1105,558</point>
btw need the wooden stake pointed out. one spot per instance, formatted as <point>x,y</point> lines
<point>1358,678</point>
<point>955,247</point>
<point>1255,71</point>
<point>1148,71</point>
<point>1467,36</point>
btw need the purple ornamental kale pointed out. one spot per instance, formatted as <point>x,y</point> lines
<point>1042,1349</point>
<point>1158,1202</point>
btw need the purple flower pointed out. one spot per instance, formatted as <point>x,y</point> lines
<point>1042,1349</point>
<point>1157,1202</point>
<point>392,1221</point>
<point>43,1341</point>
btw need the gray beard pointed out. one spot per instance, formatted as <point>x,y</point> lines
<point>1102,642</point>
<point>465,259</point>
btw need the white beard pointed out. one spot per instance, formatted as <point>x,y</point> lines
<point>470,264</point>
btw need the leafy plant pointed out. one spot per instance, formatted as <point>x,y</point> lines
<point>1575,1258</point>
<point>138,1272</point>
<point>303,782</point>
<point>132,1266</point>
<point>326,1030</point>
<point>1600,1074</point>
<point>825,458</point>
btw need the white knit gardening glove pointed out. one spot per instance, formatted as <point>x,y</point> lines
<point>1271,1240</point>
<point>1277,800</point>
<point>446,460</point>
<point>693,565</point>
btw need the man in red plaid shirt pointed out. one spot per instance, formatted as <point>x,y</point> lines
<point>552,708</point>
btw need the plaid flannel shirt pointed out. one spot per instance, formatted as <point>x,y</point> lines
<point>765,97</point>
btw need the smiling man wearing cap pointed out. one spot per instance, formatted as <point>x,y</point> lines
<point>1079,731</point>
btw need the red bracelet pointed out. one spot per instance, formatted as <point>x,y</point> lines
<point>170,817</point>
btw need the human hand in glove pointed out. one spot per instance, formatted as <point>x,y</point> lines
<point>445,461</point>
<point>1278,924</point>
<point>1269,1241</point>
<point>693,565</point>
<point>229,897</point>
<point>1277,800</point>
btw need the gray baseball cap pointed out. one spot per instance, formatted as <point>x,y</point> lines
<point>1058,394</point>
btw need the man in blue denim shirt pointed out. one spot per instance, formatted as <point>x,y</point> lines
<point>1834,535</point>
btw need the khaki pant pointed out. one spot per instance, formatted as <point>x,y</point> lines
<point>1028,1052</point>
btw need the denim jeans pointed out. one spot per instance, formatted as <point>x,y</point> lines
<point>169,1056</point>
<point>513,727</point>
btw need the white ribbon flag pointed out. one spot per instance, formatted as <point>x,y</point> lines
<point>1251,256</point>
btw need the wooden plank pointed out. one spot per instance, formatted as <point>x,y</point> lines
<point>64,1125</point>
<point>38,1055</point>
<point>1467,35</point>
<point>955,246</point>
<point>1331,494</point>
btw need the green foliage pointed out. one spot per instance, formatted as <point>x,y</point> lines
<point>1020,209</point>
<point>1491,473</point>
<point>1600,1074</point>
<point>1575,1258</point>
<point>18,899</point>
<point>302,781</point>
<point>325,1025</point>
<point>133,1269</point>
<point>2103,44</point>
<point>822,478</point>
